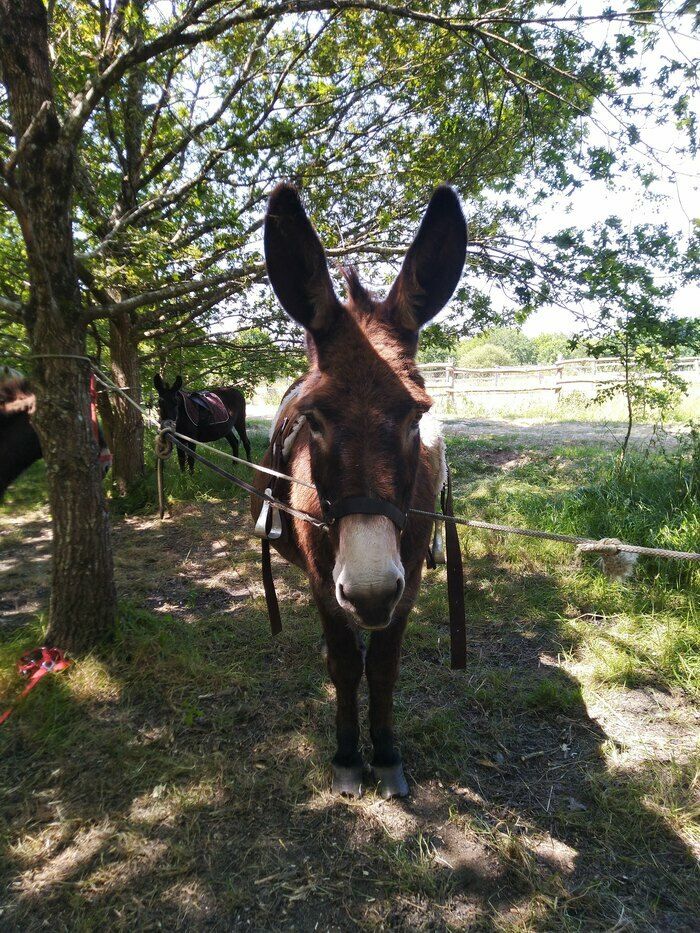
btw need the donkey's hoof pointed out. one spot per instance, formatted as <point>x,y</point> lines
<point>392,781</point>
<point>347,780</point>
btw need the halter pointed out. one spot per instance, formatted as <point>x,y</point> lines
<point>270,526</point>
<point>363,505</point>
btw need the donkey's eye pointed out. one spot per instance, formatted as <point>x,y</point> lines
<point>415,424</point>
<point>314,424</point>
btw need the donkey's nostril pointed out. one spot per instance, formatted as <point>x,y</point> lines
<point>372,601</point>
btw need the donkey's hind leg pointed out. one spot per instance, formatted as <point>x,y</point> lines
<point>190,458</point>
<point>181,459</point>
<point>233,441</point>
<point>344,657</point>
<point>382,667</point>
<point>240,427</point>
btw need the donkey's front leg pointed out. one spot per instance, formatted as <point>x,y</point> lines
<point>344,657</point>
<point>382,667</point>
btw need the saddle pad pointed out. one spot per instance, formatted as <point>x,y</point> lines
<point>195,401</point>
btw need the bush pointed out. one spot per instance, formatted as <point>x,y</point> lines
<point>552,347</point>
<point>520,349</point>
<point>485,356</point>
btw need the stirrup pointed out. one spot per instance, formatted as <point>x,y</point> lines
<point>438,548</point>
<point>269,515</point>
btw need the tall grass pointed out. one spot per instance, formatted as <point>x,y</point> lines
<point>646,629</point>
<point>571,406</point>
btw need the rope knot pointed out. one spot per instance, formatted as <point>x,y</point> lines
<point>164,442</point>
<point>616,564</point>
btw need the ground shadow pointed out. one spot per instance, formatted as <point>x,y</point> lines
<point>181,779</point>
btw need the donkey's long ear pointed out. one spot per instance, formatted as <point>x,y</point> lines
<point>296,263</point>
<point>158,384</point>
<point>177,385</point>
<point>433,263</point>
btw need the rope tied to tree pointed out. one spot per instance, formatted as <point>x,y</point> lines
<point>164,441</point>
<point>610,549</point>
<point>605,546</point>
<point>163,449</point>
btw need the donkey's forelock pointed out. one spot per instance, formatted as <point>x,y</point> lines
<point>359,296</point>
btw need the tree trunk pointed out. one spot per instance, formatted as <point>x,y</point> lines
<point>83,598</point>
<point>126,423</point>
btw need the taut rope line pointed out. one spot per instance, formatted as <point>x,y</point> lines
<point>297,513</point>
<point>604,546</point>
<point>583,544</point>
<point>183,437</point>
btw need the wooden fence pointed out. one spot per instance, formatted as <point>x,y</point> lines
<point>445,380</point>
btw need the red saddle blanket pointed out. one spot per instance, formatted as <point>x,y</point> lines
<point>196,402</point>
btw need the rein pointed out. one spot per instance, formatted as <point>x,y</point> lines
<point>168,434</point>
<point>267,528</point>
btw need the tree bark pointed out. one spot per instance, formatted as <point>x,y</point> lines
<point>82,609</point>
<point>126,423</point>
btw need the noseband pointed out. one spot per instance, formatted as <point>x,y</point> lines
<point>363,505</point>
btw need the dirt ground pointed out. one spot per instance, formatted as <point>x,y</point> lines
<point>544,434</point>
<point>192,793</point>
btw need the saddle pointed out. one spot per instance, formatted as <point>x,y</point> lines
<point>204,401</point>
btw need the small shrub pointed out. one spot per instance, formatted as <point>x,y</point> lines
<point>487,356</point>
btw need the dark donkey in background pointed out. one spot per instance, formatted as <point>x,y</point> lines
<point>360,446</point>
<point>202,418</point>
<point>19,442</point>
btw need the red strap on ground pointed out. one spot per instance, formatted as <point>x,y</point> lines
<point>34,665</point>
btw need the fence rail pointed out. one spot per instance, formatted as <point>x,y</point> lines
<point>446,379</point>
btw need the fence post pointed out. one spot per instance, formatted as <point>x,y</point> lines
<point>450,380</point>
<point>558,380</point>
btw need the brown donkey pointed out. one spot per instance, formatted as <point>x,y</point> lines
<point>359,445</point>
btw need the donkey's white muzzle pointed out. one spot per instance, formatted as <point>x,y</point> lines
<point>368,573</point>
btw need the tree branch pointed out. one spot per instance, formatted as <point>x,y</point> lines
<point>167,292</point>
<point>13,308</point>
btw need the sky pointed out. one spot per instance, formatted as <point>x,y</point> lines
<point>596,200</point>
<point>678,185</point>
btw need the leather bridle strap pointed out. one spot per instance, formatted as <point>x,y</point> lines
<point>363,505</point>
<point>455,583</point>
<point>273,609</point>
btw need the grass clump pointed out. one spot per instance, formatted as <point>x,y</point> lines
<point>551,695</point>
<point>644,630</point>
